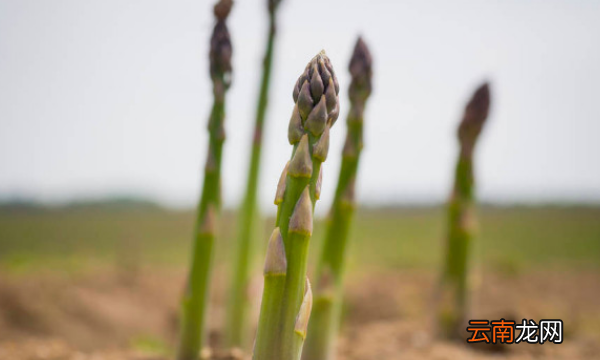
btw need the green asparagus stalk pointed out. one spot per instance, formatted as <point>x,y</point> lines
<point>324,324</point>
<point>238,301</point>
<point>454,289</point>
<point>195,298</point>
<point>287,297</point>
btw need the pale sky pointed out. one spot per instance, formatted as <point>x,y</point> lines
<point>112,97</point>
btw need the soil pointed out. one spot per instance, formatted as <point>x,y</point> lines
<point>388,315</point>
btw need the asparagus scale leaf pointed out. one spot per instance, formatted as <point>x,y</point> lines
<point>195,298</point>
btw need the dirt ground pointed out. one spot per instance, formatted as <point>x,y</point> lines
<point>388,315</point>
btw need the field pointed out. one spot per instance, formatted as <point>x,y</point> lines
<point>104,281</point>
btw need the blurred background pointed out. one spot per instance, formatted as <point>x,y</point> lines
<point>103,110</point>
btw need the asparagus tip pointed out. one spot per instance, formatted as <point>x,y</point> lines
<point>301,220</point>
<point>275,261</point>
<point>360,68</point>
<point>361,60</point>
<point>480,102</point>
<point>304,314</point>
<point>476,112</point>
<point>273,4</point>
<point>321,56</point>
<point>220,49</point>
<point>318,79</point>
<point>222,9</point>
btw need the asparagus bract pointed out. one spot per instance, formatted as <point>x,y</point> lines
<point>454,288</point>
<point>195,298</point>
<point>287,298</point>
<point>324,323</point>
<point>238,299</point>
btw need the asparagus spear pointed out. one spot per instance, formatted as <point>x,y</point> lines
<point>287,298</point>
<point>195,298</point>
<point>453,302</point>
<point>238,301</point>
<point>325,319</point>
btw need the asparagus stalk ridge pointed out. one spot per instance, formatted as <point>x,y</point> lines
<point>195,298</point>
<point>452,311</point>
<point>287,297</point>
<point>324,325</point>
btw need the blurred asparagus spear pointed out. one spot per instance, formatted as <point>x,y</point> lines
<point>195,298</point>
<point>287,298</point>
<point>249,217</point>
<point>454,289</point>
<point>324,324</point>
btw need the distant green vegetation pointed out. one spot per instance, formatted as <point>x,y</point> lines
<point>510,239</point>
<point>507,239</point>
<point>106,203</point>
